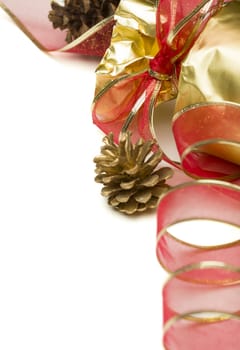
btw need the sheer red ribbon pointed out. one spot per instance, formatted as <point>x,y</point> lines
<point>201,299</point>
<point>208,140</point>
<point>32,17</point>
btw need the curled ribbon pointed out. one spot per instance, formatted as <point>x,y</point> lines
<point>128,101</point>
<point>208,139</point>
<point>201,298</point>
<point>32,18</point>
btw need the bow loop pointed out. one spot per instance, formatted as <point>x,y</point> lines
<point>140,70</point>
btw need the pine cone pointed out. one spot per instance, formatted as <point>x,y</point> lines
<point>77,16</point>
<point>128,174</point>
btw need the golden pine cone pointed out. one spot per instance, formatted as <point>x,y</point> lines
<point>77,16</point>
<point>128,174</point>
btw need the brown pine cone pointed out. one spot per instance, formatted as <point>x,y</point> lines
<point>128,174</point>
<point>77,16</point>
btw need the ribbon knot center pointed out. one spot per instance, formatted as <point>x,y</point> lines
<point>161,67</point>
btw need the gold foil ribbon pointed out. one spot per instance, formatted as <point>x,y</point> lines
<point>211,70</point>
<point>133,49</point>
<point>210,76</point>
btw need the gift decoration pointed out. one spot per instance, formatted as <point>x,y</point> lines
<point>139,71</point>
<point>142,69</point>
<point>154,52</point>
<point>89,35</point>
<point>129,175</point>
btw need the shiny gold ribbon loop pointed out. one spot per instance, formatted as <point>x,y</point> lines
<point>159,76</point>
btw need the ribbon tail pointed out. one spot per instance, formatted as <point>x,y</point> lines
<point>32,18</point>
<point>20,24</point>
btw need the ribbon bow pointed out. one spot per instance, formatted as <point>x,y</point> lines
<point>126,98</point>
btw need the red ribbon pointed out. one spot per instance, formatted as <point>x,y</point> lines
<point>208,140</point>
<point>201,300</point>
<point>32,17</point>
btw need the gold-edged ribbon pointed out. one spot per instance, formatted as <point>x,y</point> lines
<point>207,110</point>
<point>201,297</point>
<point>32,19</point>
<point>208,140</point>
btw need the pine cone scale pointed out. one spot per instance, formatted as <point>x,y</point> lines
<point>133,171</point>
<point>144,150</point>
<point>151,181</point>
<point>143,196</point>
<point>152,203</point>
<point>113,201</point>
<point>129,208</point>
<point>164,173</point>
<point>128,185</point>
<point>108,179</point>
<point>160,190</point>
<point>154,159</point>
<point>124,196</point>
<point>108,191</point>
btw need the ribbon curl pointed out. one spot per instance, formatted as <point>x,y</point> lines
<point>201,298</point>
<point>208,139</point>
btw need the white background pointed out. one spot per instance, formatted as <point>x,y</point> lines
<point>74,274</point>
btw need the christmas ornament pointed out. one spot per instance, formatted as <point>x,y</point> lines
<point>129,175</point>
<point>185,51</point>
